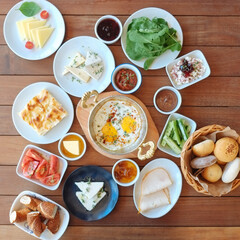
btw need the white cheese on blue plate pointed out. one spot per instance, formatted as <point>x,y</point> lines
<point>90,189</point>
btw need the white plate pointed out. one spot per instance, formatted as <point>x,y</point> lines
<point>26,130</point>
<point>152,12</point>
<point>62,166</point>
<point>67,52</point>
<point>175,116</point>
<point>174,190</point>
<point>46,235</point>
<point>196,54</point>
<point>14,42</point>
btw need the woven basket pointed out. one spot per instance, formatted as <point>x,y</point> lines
<point>185,166</point>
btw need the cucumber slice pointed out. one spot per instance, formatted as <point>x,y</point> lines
<point>172,145</point>
<point>176,135</point>
<point>182,129</point>
<point>168,132</point>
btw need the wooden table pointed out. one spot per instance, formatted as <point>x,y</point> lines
<point>211,26</point>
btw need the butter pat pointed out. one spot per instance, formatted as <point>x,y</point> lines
<point>72,147</point>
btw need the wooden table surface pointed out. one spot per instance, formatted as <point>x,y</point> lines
<point>210,26</point>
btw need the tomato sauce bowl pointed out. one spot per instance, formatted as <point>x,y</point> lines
<point>29,167</point>
<point>126,78</point>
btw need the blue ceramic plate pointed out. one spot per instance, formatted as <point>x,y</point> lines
<point>97,174</point>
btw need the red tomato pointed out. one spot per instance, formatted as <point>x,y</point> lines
<point>54,164</point>
<point>44,14</point>
<point>26,160</point>
<point>42,170</point>
<point>29,45</point>
<point>30,168</point>
<point>51,179</point>
<point>34,154</point>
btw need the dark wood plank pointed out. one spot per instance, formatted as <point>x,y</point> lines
<point>95,7</point>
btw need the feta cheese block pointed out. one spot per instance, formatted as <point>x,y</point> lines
<point>76,61</point>
<point>95,71</point>
<point>72,147</point>
<point>90,189</point>
<point>89,204</point>
<point>79,73</point>
<point>92,58</point>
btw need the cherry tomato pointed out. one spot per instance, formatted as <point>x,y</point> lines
<point>34,154</point>
<point>54,164</point>
<point>29,45</point>
<point>44,14</point>
<point>30,168</point>
<point>26,160</point>
<point>42,170</point>
<point>51,179</point>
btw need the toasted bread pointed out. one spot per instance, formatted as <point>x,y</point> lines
<point>19,216</point>
<point>54,224</point>
<point>47,209</point>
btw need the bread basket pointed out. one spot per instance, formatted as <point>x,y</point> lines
<point>185,163</point>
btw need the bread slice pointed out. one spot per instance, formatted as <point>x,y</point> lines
<point>32,216</point>
<point>30,202</point>
<point>37,226</point>
<point>20,215</point>
<point>54,224</point>
<point>47,209</point>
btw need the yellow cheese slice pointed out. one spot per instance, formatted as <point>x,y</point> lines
<point>25,28</point>
<point>32,25</point>
<point>43,35</point>
<point>34,35</point>
<point>79,73</point>
<point>21,28</point>
<point>72,147</point>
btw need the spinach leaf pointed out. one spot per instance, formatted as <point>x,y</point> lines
<point>149,39</point>
<point>29,9</point>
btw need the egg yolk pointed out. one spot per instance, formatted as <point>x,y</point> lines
<point>128,124</point>
<point>109,133</point>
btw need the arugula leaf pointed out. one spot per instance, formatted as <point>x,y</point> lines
<point>29,9</point>
<point>149,39</point>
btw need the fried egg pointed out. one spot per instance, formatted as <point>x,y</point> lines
<point>117,124</point>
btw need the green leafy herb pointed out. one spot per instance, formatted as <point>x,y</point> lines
<point>29,9</point>
<point>149,39</point>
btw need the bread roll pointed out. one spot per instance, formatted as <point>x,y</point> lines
<point>204,148</point>
<point>30,202</point>
<point>231,170</point>
<point>47,209</point>
<point>226,149</point>
<point>54,224</point>
<point>212,173</point>
<point>202,162</point>
<point>19,216</point>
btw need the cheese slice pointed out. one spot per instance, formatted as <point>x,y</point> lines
<point>32,25</point>
<point>43,35</point>
<point>79,73</point>
<point>89,204</point>
<point>72,147</point>
<point>154,200</point>
<point>34,35</point>
<point>76,61</point>
<point>94,71</point>
<point>90,189</point>
<point>92,58</point>
<point>22,27</point>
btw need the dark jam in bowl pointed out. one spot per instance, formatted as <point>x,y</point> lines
<point>166,100</point>
<point>108,29</point>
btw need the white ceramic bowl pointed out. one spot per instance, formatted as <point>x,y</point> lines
<point>62,166</point>
<point>108,17</point>
<point>134,69</point>
<point>78,157</point>
<point>130,183</point>
<point>196,54</point>
<point>175,116</point>
<point>179,99</point>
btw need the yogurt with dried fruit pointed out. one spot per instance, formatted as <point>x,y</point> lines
<point>187,70</point>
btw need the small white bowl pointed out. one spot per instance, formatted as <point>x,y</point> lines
<point>130,183</point>
<point>179,99</point>
<point>134,69</point>
<point>196,54</point>
<point>84,147</point>
<point>175,116</point>
<point>108,17</point>
<point>62,166</point>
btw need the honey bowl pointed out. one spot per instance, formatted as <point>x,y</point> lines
<point>125,172</point>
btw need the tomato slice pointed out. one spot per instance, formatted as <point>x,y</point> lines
<point>42,170</point>
<point>34,154</point>
<point>44,14</point>
<point>51,179</point>
<point>29,45</point>
<point>30,168</point>
<point>26,160</point>
<point>54,164</point>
